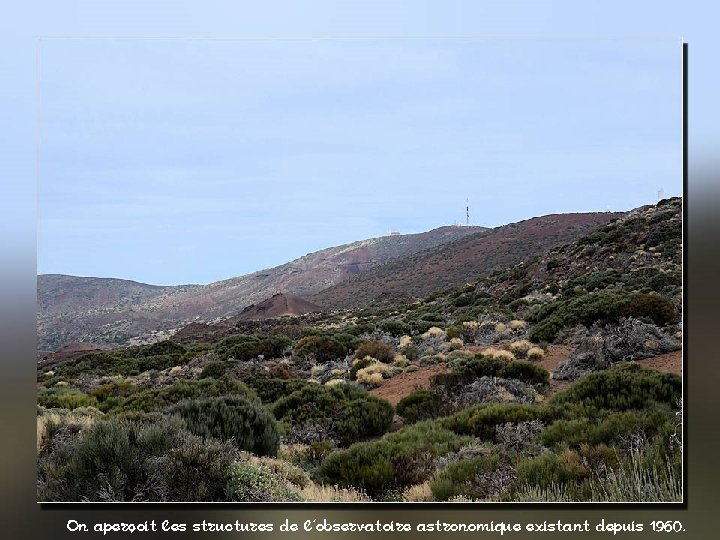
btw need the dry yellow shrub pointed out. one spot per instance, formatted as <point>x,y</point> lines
<point>535,353</point>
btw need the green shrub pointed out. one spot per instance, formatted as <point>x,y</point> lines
<point>468,478</point>
<point>627,387</point>
<point>214,370</point>
<point>273,347</point>
<point>420,405</point>
<point>482,420</point>
<point>394,328</point>
<point>552,469</point>
<point>607,427</point>
<point>160,398</point>
<point>270,389</point>
<point>256,483</point>
<point>112,460</point>
<point>64,398</point>
<point>197,470</point>
<point>248,425</point>
<point>602,306</point>
<point>128,361</point>
<point>526,372</point>
<point>466,370</point>
<point>345,410</point>
<point>400,459</point>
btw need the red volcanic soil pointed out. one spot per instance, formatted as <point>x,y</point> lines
<point>463,260</point>
<point>398,387</point>
<point>401,385</point>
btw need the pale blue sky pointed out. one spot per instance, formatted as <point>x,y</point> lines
<point>125,144</point>
<point>193,160</point>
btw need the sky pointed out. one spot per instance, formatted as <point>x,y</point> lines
<point>174,158</point>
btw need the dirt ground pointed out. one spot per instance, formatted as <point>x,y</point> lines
<point>398,387</point>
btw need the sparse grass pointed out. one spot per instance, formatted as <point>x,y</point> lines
<point>498,354</point>
<point>328,493</point>
<point>418,493</point>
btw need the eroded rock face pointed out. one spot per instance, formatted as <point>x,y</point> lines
<point>600,347</point>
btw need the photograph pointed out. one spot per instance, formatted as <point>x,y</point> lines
<point>360,270</point>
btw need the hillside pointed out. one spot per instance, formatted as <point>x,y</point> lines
<point>114,311</point>
<point>557,378</point>
<point>278,305</point>
<point>461,261</point>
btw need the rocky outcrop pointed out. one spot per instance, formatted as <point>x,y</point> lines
<point>600,347</point>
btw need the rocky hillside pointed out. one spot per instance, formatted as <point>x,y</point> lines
<point>278,305</point>
<point>115,311</point>
<point>461,261</point>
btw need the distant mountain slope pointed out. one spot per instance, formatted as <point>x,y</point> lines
<point>463,260</point>
<point>114,311</point>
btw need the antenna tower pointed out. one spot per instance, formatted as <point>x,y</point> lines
<point>661,194</point>
<point>467,212</point>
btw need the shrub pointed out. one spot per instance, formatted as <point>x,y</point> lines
<point>526,372</point>
<point>482,420</point>
<point>359,364</point>
<point>319,348</point>
<point>499,354</point>
<point>419,405</point>
<point>434,332</point>
<point>248,425</point>
<point>345,411</point>
<point>197,470</point>
<point>257,483</point>
<point>653,306</point>
<point>520,347</point>
<point>400,459</point>
<point>271,389</point>
<point>552,469</point>
<point>478,478</point>
<point>466,370</point>
<point>113,460</point>
<point>371,379</point>
<point>214,370</point>
<point>627,387</point>
<point>375,349</point>
<point>63,398</point>
<point>394,328</point>
<point>603,306</point>
<point>160,398</point>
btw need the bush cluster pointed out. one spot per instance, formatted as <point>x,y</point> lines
<point>630,386</point>
<point>603,306</point>
<point>466,370</point>
<point>401,459</point>
<point>375,349</point>
<point>159,398</point>
<point>345,411</point>
<point>420,405</point>
<point>249,426</point>
<point>123,460</point>
<point>482,420</point>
